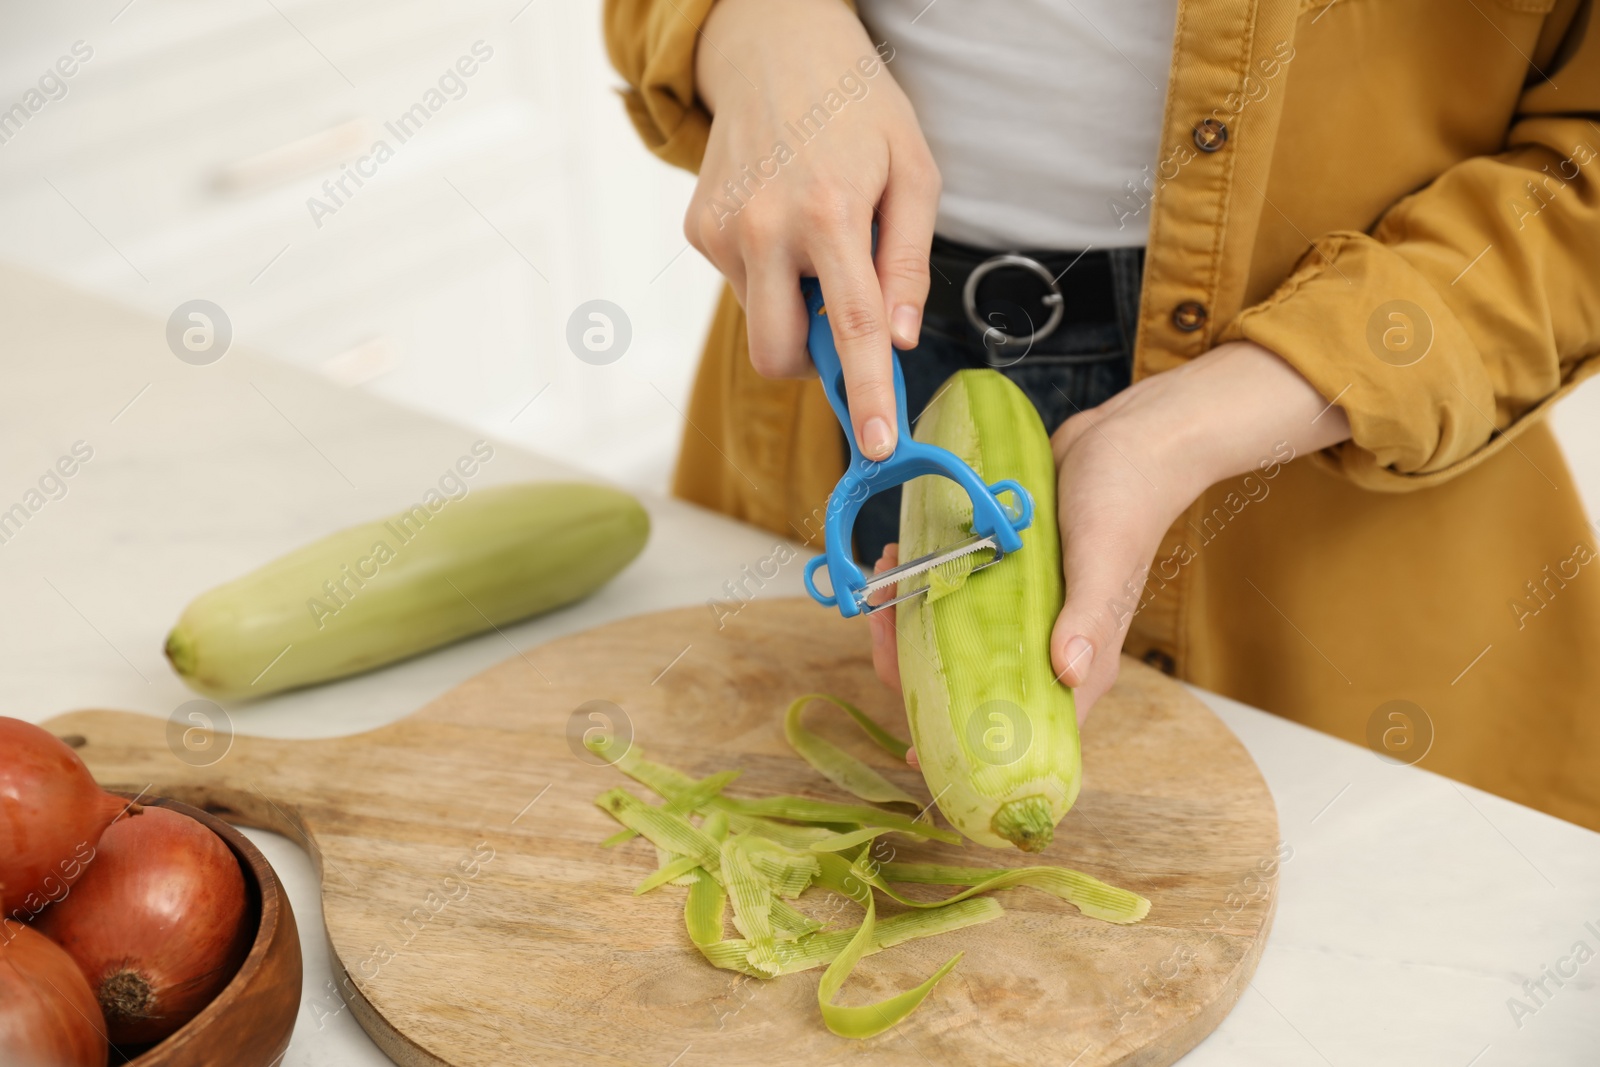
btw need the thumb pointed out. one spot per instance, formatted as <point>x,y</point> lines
<point>1104,582</point>
<point>885,653</point>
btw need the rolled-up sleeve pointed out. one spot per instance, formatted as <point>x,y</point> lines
<point>1469,307</point>
<point>652,45</point>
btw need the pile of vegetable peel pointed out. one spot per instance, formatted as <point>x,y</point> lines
<point>760,854</point>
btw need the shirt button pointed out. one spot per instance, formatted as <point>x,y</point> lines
<point>1210,135</point>
<point>1161,661</point>
<point>1189,316</point>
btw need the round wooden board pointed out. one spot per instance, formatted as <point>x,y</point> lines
<point>479,923</point>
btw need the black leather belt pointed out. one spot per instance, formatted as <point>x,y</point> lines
<point>1019,298</point>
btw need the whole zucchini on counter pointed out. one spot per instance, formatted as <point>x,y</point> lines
<point>380,592</point>
<point>995,732</point>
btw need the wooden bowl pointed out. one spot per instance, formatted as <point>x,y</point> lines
<point>250,1021</point>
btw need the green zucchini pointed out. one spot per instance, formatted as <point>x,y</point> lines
<point>376,593</point>
<point>995,732</point>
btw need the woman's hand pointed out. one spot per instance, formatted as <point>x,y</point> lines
<point>1127,469</point>
<point>813,144</point>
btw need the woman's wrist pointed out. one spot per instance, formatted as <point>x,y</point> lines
<point>712,67</point>
<point>1226,412</point>
<point>731,55</point>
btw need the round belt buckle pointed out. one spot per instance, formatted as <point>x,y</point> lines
<point>991,333</point>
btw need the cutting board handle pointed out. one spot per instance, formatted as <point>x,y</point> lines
<point>231,775</point>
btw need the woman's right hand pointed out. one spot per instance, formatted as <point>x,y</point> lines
<point>807,180</point>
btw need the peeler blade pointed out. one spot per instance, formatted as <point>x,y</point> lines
<point>922,565</point>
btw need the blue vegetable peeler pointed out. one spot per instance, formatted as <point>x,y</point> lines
<point>995,526</point>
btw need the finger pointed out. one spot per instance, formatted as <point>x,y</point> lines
<point>908,210</point>
<point>723,254</point>
<point>733,271</point>
<point>888,561</point>
<point>1105,566</point>
<point>843,262</point>
<point>715,234</point>
<point>885,651</point>
<point>776,314</point>
<point>717,240</point>
<point>911,758</point>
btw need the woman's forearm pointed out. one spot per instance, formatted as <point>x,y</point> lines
<point>1214,417</point>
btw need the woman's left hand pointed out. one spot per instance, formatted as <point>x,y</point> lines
<point>1127,469</point>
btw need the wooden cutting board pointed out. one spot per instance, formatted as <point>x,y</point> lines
<point>478,922</point>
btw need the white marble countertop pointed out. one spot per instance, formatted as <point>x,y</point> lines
<point>1412,909</point>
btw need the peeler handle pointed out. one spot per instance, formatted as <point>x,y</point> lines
<point>825,356</point>
<point>864,477</point>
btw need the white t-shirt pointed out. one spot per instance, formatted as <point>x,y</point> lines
<point>1039,113</point>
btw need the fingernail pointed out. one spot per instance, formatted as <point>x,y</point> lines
<point>905,322</point>
<point>1080,656</point>
<point>911,758</point>
<point>877,440</point>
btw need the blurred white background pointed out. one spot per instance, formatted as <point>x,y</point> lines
<point>446,281</point>
<point>180,162</point>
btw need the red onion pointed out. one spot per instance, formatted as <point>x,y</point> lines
<point>48,1016</point>
<point>51,815</point>
<point>157,925</point>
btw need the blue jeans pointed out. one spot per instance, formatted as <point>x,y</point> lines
<point>1082,364</point>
